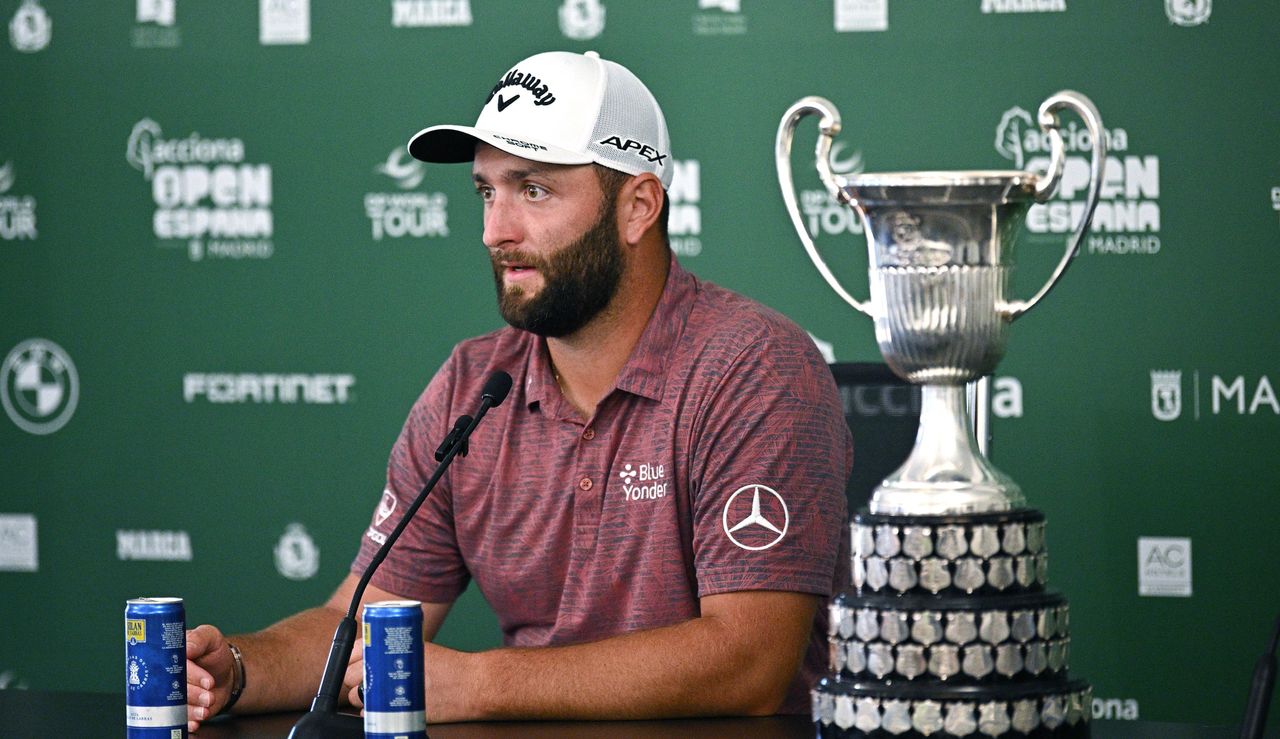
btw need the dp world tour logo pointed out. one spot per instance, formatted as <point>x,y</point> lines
<point>755,517</point>
<point>39,386</point>
<point>1166,394</point>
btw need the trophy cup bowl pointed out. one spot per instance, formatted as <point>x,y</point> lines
<point>940,256</point>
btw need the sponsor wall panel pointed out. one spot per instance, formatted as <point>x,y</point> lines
<point>238,386</point>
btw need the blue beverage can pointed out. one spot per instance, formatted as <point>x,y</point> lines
<point>155,668</point>
<point>394,678</point>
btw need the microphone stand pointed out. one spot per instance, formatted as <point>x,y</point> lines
<point>323,720</point>
<point>1264,681</point>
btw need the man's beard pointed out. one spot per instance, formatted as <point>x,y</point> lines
<point>578,281</point>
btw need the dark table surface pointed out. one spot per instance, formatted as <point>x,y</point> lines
<point>32,713</point>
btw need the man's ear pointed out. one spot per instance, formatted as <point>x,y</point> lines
<point>639,206</point>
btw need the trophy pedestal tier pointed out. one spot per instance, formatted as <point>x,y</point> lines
<point>950,632</point>
<point>848,709</point>
<point>988,553</point>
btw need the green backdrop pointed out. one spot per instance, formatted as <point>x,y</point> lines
<point>222,286</point>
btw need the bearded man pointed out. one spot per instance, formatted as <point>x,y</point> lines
<point>655,514</point>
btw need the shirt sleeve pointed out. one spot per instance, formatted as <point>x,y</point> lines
<point>771,459</point>
<point>425,562</point>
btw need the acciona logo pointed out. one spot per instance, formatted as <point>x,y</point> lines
<point>17,212</point>
<point>684,227</point>
<point>1115,709</point>
<point>157,546</point>
<point>1024,6</point>
<point>207,197</point>
<point>396,215</point>
<point>249,387</point>
<point>823,215</point>
<point>870,401</point>
<point>1127,220</point>
<point>1215,395</point>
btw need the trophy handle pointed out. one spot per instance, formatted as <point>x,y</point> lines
<point>1047,184</point>
<point>828,127</point>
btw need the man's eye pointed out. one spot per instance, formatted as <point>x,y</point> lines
<point>534,192</point>
<point>485,193</point>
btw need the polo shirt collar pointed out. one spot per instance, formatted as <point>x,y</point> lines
<point>645,372</point>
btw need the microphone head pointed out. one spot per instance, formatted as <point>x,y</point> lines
<point>496,388</point>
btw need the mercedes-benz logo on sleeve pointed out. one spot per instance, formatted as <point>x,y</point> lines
<point>760,526</point>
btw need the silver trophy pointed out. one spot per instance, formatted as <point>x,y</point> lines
<point>940,248</point>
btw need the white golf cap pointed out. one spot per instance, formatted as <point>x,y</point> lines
<point>563,108</point>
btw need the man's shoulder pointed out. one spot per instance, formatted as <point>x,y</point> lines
<point>473,360</point>
<point>730,321</point>
<point>506,340</point>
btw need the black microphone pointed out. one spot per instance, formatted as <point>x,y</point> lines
<point>323,720</point>
<point>496,388</point>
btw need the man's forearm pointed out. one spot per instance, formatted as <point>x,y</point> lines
<point>706,666</point>
<point>283,662</point>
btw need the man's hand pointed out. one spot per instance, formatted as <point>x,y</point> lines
<point>447,701</point>
<point>209,674</point>
<point>354,676</point>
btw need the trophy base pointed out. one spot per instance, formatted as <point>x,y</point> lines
<point>848,709</point>
<point>951,632</point>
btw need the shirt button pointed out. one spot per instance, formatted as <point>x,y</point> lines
<point>589,434</point>
<point>585,483</point>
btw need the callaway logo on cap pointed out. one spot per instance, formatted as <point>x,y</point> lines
<point>562,108</point>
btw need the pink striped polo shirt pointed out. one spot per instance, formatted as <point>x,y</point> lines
<point>717,463</point>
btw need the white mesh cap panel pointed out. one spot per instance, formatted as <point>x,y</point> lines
<point>631,133</point>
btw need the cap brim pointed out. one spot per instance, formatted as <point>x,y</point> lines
<point>454,144</point>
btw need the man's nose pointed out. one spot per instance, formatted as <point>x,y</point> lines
<point>501,224</point>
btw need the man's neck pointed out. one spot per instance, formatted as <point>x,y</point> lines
<point>587,362</point>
